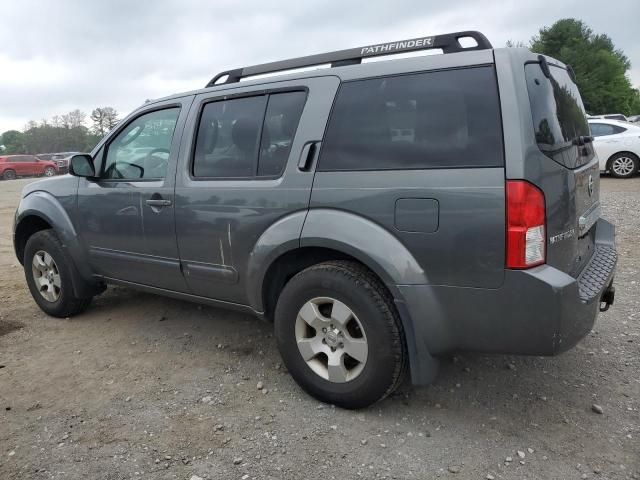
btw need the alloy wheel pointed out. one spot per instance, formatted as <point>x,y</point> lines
<point>623,166</point>
<point>46,276</point>
<point>331,339</point>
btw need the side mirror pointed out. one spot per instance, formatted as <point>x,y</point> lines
<point>82,166</point>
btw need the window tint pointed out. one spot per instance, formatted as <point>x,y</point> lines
<point>228,138</point>
<point>439,119</point>
<point>280,124</point>
<point>616,117</point>
<point>142,149</point>
<point>231,131</point>
<point>558,114</point>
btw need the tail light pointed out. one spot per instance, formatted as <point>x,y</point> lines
<point>526,220</point>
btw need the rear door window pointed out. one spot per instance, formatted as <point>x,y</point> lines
<point>442,119</point>
<point>559,118</point>
<point>247,137</point>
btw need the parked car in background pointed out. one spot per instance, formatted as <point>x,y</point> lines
<point>61,159</point>
<point>13,166</point>
<point>617,145</point>
<point>634,119</point>
<point>610,116</point>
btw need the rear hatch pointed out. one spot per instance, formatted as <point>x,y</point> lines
<point>571,181</point>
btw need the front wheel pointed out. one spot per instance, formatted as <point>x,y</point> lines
<point>48,270</point>
<point>49,172</point>
<point>624,165</point>
<point>9,175</point>
<point>340,335</point>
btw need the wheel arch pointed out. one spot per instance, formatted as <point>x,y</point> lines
<point>369,245</point>
<point>41,210</point>
<point>302,236</point>
<point>25,228</point>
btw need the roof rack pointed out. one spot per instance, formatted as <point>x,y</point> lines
<point>449,43</point>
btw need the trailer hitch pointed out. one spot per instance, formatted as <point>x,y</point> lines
<point>607,298</point>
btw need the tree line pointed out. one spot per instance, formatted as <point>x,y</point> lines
<point>61,133</point>
<point>600,68</point>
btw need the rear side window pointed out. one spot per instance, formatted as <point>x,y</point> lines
<point>443,119</point>
<point>247,137</point>
<point>603,129</point>
<point>558,114</point>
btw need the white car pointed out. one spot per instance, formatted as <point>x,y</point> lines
<point>617,145</point>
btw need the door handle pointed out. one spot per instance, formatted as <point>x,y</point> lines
<point>308,155</point>
<point>158,202</point>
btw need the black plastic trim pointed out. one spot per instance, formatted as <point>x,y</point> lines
<point>448,43</point>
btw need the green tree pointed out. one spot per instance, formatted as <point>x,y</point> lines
<point>13,142</point>
<point>600,68</point>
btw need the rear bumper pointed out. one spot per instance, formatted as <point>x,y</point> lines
<point>541,311</point>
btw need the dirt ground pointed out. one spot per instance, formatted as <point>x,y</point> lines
<point>144,387</point>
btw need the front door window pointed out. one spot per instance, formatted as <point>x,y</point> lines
<point>141,150</point>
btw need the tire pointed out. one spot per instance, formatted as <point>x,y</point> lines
<point>55,267</point>
<point>9,175</point>
<point>49,172</point>
<point>624,165</point>
<point>382,359</point>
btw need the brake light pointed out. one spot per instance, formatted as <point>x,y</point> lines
<point>526,230</point>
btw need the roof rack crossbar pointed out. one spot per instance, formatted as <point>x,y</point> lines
<point>449,43</point>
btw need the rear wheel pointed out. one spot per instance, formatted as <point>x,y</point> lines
<point>340,335</point>
<point>48,270</point>
<point>9,175</point>
<point>624,165</point>
<point>49,172</point>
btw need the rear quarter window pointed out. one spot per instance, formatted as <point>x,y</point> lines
<point>558,115</point>
<point>441,119</point>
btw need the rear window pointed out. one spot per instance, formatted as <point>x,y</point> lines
<point>559,118</point>
<point>443,119</point>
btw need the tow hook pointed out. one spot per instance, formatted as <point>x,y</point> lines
<point>607,298</point>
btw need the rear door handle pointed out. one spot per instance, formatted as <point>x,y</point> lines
<point>158,202</point>
<point>308,155</point>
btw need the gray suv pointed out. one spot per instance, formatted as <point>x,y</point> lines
<point>380,214</point>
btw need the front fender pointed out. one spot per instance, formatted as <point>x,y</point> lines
<point>48,208</point>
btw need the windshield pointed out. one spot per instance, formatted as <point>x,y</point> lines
<point>559,118</point>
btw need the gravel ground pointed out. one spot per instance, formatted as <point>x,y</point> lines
<point>141,386</point>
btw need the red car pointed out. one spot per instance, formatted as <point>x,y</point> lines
<point>13,166</point>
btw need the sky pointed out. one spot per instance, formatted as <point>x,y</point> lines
<point>56,56</point>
